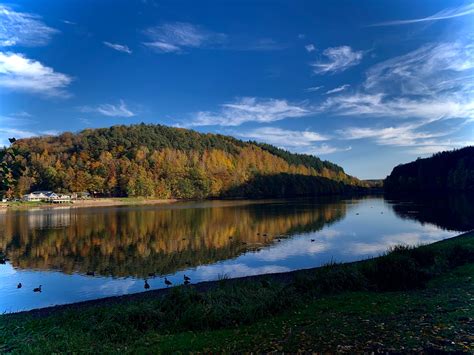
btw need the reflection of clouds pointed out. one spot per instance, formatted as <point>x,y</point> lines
<point>428,234</point>
<point>115,287</point>
<point>294,247</point>
<point>329,233</point>
<point>237,270</point>
<point>7,270</point>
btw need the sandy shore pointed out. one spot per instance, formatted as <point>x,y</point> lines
<point>97,202</point>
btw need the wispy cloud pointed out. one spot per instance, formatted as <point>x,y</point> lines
<point>118,47</point>
<point>313,88</point>
<point>69,22</point>
<point>408,135</point>
<point>445,14</point>
<point>250,109</point>
<point>20,73</point>
<point>338,89</point>
<point>283,137</point>
<point>338,59</point>
<point>324,149</point>
<point>430,83</point>
<point>19,28</point>
<point>306,142</point>
<point>6,133</point>
<point>310,48</point>
<point>178,36</point>
<point>120,110</point>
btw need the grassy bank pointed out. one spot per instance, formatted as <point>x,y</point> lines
<point>410,299</point>
<point>95,202</point>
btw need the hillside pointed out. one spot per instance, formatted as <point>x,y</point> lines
<point>451,170</point>
<point>160,161</point>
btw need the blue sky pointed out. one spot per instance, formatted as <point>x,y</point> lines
<point>365,84</point>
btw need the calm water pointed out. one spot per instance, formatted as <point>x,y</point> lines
<point>122,246</point>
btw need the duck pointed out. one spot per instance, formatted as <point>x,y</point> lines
<point>186,282</point>
<point>90,273</point>
<point>187,278</point>
<point>37,289</point>
<point>357,213</point>
<point>19,285</point>
<point>151,274</point>
<point>147,285</point>
<point>168,282</point>
<point>313,240</point>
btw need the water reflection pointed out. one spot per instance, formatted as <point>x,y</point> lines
<point>140,241</point>
<point>123,246</point>
<point>453,212</point>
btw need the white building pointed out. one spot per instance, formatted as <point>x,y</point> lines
<point>46,196</point>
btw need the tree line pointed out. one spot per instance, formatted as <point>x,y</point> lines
<point>153,161</point>
<point>444,171</point>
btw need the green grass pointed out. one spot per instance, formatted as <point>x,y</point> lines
<point>427,305</point>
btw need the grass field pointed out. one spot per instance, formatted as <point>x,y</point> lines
<point>418,299</point>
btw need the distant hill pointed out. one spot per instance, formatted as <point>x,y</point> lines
<point>163,162</point>
<point>445,171</point>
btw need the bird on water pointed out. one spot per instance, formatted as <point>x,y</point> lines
<point>187,278</point>
<point>37,289</point>
<point>168,282</point>
<point>147,285</point>
<point>19,285</point>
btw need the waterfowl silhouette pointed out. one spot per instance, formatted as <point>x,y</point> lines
<point>90,273</point>
<point>37,289</point>
<point>19,285</point>
<point>187,278</point>
<point>313,240</point>
<point>168,282</point>
<point>187,282</point>
<point>151,274</point>
<point>357,213</point>
<point>147,286</point>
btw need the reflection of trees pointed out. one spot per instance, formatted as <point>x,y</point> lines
<point>123,242</point>
<point>453,212</point>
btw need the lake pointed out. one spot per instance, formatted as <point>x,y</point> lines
<point>88,253</point>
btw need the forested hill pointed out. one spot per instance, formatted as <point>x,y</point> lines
<point>159,161</point>
<point>451,170</point>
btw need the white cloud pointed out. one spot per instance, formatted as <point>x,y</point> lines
<point>325,149</point>
<point>120,110</point>
<point>6,133</point>
<point>429,70</point>
<point>314,88</point>
<point>175,37</point>
<point>432,82</point>
<point>407,135</point>
<point>310,48</point>
<point>283,137</point>
<point>18,28</point>
<point>442,15</point>
<point>20,73</point>
<point>338,89</point>
<point>118,47</point>
<point>250,109</point>
<point>338,60</point>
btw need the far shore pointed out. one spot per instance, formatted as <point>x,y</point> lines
<point>94,202</point>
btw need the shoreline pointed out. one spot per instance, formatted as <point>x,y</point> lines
<point>282,277</point>
<point>91,203</point>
